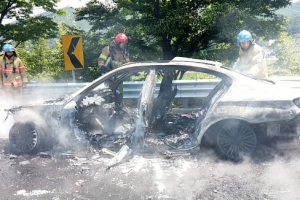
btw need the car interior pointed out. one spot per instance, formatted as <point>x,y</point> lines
<point>127,107</point>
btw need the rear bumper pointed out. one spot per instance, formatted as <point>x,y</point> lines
<point>289,128</point>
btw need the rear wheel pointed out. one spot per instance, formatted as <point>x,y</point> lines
<point>29,138</point>
<point>236,139</point>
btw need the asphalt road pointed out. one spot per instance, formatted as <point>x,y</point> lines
<point>271,174</point>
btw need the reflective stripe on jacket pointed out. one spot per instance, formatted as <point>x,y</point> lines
<point>252,62</point>
<point>118,57</point>
<point>12,72</point>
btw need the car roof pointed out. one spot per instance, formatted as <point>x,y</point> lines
<point>206,62</point>
<point>183,61</point>
<point>180,61</point>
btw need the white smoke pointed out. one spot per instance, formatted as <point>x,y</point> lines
<point>4,124</point>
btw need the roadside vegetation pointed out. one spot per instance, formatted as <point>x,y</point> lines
<point>157,30</point>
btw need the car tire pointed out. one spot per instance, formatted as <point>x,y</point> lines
<point>28,137</point>
<point>235,139</point>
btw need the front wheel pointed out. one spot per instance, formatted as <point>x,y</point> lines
<point>29,138</point>
<point>236,139</point>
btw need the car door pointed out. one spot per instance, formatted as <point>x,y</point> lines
<point>109,110</point>
<point>184,98</point>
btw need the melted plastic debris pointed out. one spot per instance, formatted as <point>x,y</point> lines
<point>97,100</point>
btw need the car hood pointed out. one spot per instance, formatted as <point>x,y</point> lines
<point>56,104</point>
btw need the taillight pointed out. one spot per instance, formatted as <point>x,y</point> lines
<point>297,102</point>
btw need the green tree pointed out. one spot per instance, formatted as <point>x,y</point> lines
<point>180,27</point>
<point>43,61</point>
<point>293,26</point>
<point>293,29</point>
<point>27,27</point>
<point>288,55</point>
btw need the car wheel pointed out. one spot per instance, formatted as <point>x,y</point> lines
<point>28,138</point>
<point>236,139</point>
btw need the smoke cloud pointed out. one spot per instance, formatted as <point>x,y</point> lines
<point>4,124</point>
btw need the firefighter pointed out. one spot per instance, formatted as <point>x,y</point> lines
<point>113,55</point>
<point>251,59</point>
<point>12,74</point>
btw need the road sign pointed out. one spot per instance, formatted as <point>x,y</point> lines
<point>73,53</point>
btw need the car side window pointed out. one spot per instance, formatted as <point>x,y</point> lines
<point>192,87</point>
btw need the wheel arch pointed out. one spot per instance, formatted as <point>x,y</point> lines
<point>27,115</point>
<point>34,121</point>
<point>209,133</point>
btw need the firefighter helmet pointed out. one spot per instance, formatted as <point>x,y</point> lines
<point>244,36</point>
<point>8,48</point>
<point>121,37</point>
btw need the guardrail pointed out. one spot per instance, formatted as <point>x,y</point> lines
<point>131,90</point>
<point>186,89</point>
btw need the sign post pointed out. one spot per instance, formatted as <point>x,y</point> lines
<point>73,53</point>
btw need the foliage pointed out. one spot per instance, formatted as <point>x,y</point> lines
<point>293,29</point>
<point>27,27</point>
<point>288,55</point>
<point>287,50</point>
<point>290,11</point>
<point>42,60</point>
<point>156,29</point>
<point>179,27</point>
<point>293,26</point>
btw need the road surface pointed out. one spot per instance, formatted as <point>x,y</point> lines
<point>271,174</point>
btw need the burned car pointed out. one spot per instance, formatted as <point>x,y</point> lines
<point>144,105</point>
